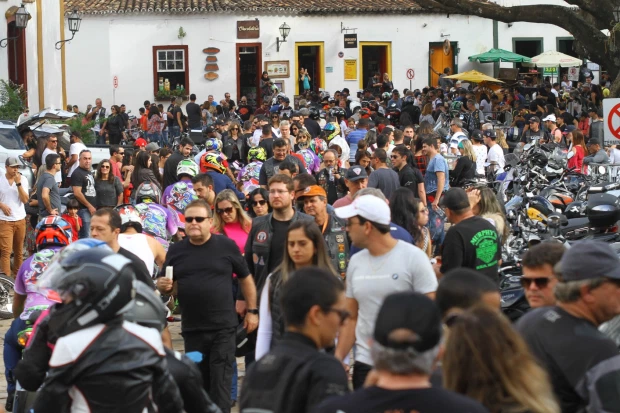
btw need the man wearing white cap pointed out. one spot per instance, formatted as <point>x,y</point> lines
<point>384,267</point>
<point>554,132</point>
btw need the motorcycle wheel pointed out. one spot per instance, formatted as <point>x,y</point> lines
<point>7,289</point>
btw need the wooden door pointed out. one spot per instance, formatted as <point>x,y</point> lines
<point>439,61</point>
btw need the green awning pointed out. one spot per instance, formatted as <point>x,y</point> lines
<point>499,55</point>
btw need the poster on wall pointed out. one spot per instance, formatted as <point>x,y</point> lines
<point>350,69</point>
<point>277,68</point>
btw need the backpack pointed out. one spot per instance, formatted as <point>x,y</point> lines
<point>281,386</point>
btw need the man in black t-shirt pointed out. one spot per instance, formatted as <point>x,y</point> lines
<point>533,131</point>
<point>194,114</point>
<point>83,184</point>
<point>471,241</point>
<point>409,177</point>
<point>405,348</point>
<point>583,364</point>
<point>170,167</point>
<point>205,293</point>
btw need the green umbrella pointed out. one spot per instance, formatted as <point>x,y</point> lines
<point>499,55</point>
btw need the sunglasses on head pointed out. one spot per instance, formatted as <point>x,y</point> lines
<point>260,202</point>
<point>228,210</point>
<point>197,219</point>
<point>541,282</point>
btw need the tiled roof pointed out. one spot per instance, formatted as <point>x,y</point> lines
<point>242,6</point>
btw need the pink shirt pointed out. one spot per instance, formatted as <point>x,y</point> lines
<point>344,201</point>
<point>235,232</point>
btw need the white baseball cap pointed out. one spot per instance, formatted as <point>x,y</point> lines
<point>368,207</point>
<point>551,118</point>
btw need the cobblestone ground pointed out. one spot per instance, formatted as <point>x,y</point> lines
<point>177,342</point>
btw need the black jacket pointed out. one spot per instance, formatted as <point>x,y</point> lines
<point>294,377</point>
<point>113,367</point>
<point>170,168</point>
<point>229,144</point>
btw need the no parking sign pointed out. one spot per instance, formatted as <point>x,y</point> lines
<point>611,120</point>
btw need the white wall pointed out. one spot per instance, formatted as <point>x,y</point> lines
<point>122,45</point>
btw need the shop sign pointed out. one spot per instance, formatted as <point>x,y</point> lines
<point>350,41</point>
<point>248,29</point>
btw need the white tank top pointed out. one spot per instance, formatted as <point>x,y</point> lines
<point>139,245</point>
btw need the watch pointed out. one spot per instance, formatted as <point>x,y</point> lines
<point>253,311</point>
<point>18,184</point>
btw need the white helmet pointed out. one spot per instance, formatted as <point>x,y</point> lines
<point>129,217</point>
<point>355,105</point>
<point>187,167</point>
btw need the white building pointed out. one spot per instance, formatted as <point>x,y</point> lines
<point>137,42</point>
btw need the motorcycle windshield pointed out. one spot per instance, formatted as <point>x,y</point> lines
<point>514,203</point>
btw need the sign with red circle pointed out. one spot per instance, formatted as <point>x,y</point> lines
<point>613,121</point>
<point>410,74</point>
<point>115,82</point>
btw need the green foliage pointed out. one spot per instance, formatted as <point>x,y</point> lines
<point>12,100</point>
<point>75,124</point>
<point>182,33</point>
<point>167,94</point>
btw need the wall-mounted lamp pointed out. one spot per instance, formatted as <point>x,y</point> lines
<point>74,20</point>
<point>284,31</point>
<point>21,21</point>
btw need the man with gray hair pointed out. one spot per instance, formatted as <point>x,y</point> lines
<point>404,350</point>
<point>456,128</point>
<point>583,364</point>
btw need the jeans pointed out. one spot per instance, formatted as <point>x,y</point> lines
<point>218,350</point>
<point>12,235</point>
<point>234,388</point>
<point>175,131</point>
<point>99,139</point>
<point>12,352</point>
<point>84,213</point>
<point>164,137</point>
<point>360,371</point>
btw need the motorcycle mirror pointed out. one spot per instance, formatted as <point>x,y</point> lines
<point>129,111</point>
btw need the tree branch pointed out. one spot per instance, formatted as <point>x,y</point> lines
<point>601,10</point>
<point>584,32</point>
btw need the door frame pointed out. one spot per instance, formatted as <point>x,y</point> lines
<point>321,46</point>
<point>259,70</point>
<point>361,59</point>
<point>455,61</point>
<point>529,39</point>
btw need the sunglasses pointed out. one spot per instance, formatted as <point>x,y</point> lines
<point>541,282</point>
<point>261,203</point>
<point>54,141</point>
<point>121,153</point>
<point>228,210</point>
<point>234,128</point>
<point>105,166</point>
<point>197,219</point>
<point>343,314</point>
<point>394,156</point>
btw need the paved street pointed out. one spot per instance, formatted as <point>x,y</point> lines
<point>177,342</point>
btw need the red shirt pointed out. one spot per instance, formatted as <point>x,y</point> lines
<point>116,171</point>
<point>73,223</point>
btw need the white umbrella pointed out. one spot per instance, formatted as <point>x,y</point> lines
<point>554,59</point>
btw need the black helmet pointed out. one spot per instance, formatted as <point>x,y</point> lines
<point>99,282</point>
<point>337,112</point>
<point>314,113</point>
<point>537,158</point>
<point>603,210</point>
<point>542,205</point>
<point>147,309</point>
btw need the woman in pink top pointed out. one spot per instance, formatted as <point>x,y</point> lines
<point>230,219</point>
<point>577,151</point>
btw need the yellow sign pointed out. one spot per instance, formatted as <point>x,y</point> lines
<point>350,69</point>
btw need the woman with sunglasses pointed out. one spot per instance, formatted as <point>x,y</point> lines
<point>275,124</point>
<point>424,243</point>
<point>258,200</point>
<point>108,187</point>
<point>304,247</point>
<point>234,146</point>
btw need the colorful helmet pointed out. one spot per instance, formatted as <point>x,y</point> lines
<point>148,192</point>
<point>318,145</point>
<point>364,113</point>
<point>330,131</point>
<point>187,167</point>
<point>257,154</point>
<point>456,106</point>
<point>130,217</point>
<point>213,144</point>
<point>212,161</point>
<point>53,230</point>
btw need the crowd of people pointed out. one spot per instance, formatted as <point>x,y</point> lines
<point>334,246</point>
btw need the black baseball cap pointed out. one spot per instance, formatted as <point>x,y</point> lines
<point>489,133</point>
<point>588,260</point>
<point>209,129</point>
<point>455,200</point>
<point>355,173</point>
<point>408,311</point>
<point>477,135</point>
<point>534,119</point>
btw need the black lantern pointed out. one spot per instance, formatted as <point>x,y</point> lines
<point>21,21</point>
<point>285,29</point>
<point>73,21</point>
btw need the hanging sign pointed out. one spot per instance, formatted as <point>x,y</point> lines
<point>350,41</point>
<point>248,29</point>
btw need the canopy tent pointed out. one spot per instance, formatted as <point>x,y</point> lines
<point>552,58</point>
<point>498,55</point>
<point>473,76</point>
